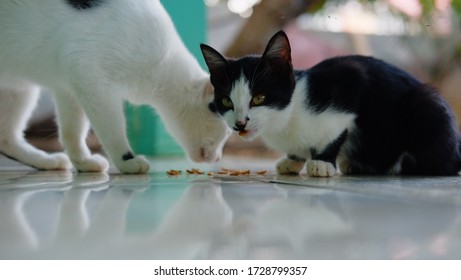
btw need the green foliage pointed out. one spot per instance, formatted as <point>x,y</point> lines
<point>456,4</point>
<point>315,6</point>
<point>428,6</point>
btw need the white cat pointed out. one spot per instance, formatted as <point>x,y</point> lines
<point>93,55</point>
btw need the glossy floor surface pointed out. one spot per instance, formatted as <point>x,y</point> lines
<point>59,215</point>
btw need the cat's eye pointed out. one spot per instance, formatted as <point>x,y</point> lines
<point>227,102</point>
<point>258,99</point>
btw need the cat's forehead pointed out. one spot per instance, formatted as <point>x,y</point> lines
<point>245,65</point>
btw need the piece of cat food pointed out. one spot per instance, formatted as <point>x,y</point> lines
<point>224,171</point>
<point>243,133</point>
<point>194,171</point>
<point>173,172</point>
<point>234,172</point>
<point>240,172</point>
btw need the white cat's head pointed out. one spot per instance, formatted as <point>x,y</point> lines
<point>200,131</point>
<point>252,92</point>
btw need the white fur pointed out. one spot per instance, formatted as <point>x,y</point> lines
<point>240,97</point>
<point>318,168</point>
<point>293,130</point>
<point>289,166</point>
<point>93,60</point>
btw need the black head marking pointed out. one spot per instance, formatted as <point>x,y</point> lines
<point>212,107</point>
<point>84,4</point>
<point>270,75</point>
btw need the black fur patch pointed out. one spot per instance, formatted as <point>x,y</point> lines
<point>398,117</point>
<point>84,4</point>
<point>330,153</point>
<point>275,83</point>
<point>270,74</point>
<point>296,158</point>
<point>212,107</point>
<point>343,83</point>
<point>128,156</point>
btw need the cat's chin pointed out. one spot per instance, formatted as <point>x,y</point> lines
<point>205,156</point>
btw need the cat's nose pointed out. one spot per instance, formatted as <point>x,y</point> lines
<point>240,125</point>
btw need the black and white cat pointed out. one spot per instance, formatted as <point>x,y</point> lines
<point>94,54</point>
<point>359,112</point>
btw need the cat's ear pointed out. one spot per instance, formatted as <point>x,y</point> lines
<point>278,48</point>
<point>214,60</point>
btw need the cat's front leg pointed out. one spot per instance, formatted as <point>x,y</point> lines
<point>290,165</point>
<point>73,129</point>
<point>106,115</point>
<point>323,164</point>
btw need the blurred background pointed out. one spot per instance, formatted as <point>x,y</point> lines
<point>420,36</point>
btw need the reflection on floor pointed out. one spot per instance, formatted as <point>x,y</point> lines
<point>64,215</point>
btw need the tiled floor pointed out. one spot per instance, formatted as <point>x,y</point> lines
<point>59,215</point>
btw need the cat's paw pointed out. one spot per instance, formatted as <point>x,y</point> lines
<point>289,166</point>
<point>318,168</point>
<point>94,163</point>
<point>57,161</point>
<point>136,165</point>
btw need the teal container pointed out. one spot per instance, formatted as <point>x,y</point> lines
<point>146,132</point>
